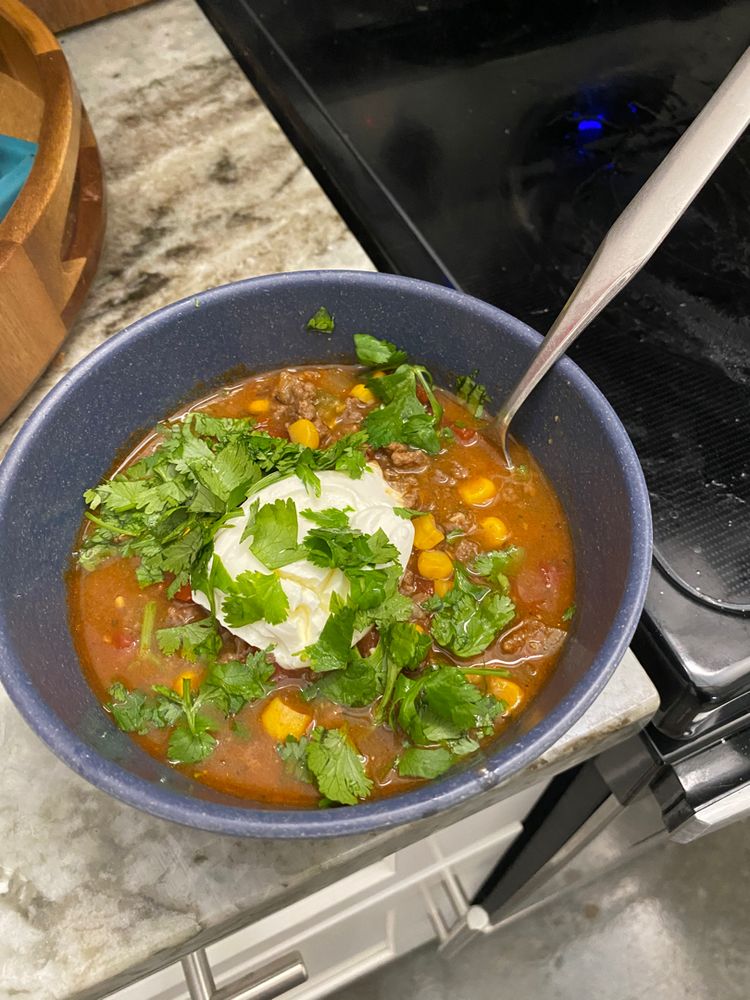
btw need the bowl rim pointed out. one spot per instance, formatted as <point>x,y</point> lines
<point>435,796</point>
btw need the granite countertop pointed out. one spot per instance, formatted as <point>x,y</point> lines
<point>203,189</point>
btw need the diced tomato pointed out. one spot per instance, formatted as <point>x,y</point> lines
<point>539,585</point>
<point>184,593</point>
<point>123,639</point>
<point>466,435</point>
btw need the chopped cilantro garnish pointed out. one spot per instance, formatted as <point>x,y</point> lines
<point>402,417</point>
<point>191,740</point>
<point>166,508</point>
<point>147,628</point>
<point>569,613</point>
<point>275,534</point>
<point>254,597</point>
<point>495,564</point>
<point>377,353</point>
<point>472,393</point>
<point>405,647</point>
<point>454,534</point>
<point>441,705</point>
<point>131,710</point>
<point>192,640</point>
<point>231,685</point>
<point>337,767</point>
<point>293,752</point>
<point>322,321</point>
<point>357,686</point>
<point>331,517</point>
<point>408,513</point>
<point>331,650</point>
<point>424,762</point>
<point>469,617</point>
<point>348,548</point>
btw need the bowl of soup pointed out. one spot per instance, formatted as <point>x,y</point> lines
<point>267,573</point>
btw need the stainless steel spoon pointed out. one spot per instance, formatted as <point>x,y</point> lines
<point>642,227</point>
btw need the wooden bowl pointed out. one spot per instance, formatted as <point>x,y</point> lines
<point>51,238</point>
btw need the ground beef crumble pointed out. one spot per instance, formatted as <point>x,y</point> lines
<point>461,520</point>
<point>465,550</point>
<point>404,457</point>
<point>299,397</point>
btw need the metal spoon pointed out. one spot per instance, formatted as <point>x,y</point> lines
<point>642,227</point>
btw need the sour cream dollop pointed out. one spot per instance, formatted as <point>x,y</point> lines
<point>309,588</point>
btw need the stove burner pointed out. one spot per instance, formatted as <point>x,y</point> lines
<point>673,353</point>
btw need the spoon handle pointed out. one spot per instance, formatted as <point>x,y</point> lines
<point>643,225</point>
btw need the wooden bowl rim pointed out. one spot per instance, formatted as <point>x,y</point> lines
<point>61,111</point>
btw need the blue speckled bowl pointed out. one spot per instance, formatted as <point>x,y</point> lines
<point>148,370</point>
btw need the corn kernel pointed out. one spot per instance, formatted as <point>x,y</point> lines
<point>258,406</point>
<point>442,587</point>
<point>426,533</point>
<point>304,432</point>
<point>419,628</point>
<point>506,690</point>
<point>435,565</point>
<point>477,490</point>
<point>362,393</point>
<point>119,601</point>
<point>494,530</point>
<point>281,720</point>
<point>378,374</point>
<point>187,675</point>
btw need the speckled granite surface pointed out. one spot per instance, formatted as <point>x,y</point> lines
<point>203,189</point>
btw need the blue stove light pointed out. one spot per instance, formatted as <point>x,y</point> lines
<point>590,125</point>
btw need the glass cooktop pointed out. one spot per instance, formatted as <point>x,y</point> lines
<point>490,146</point>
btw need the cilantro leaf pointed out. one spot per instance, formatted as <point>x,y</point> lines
<point>408,513</point>
<point>420,762</point>
<point>442,705</point>
<point>469,617</point>
<point>293,752</point>
<point>345,455</point>
<point>569,613</point>
<point>194,639</point>
<point>305,471</point>
<point>348,548</point>
<point>254,597</point>
<point>405,647</point>
<point>401,416</point>
<point>377,353</point>
<point>381,549</point>
<point>275,534</point>
<point>322,321</point>
<point>230,686</point>
<point>337,767</point>
<point>495,564</point>
<point>357,686</point>
<point>252,513</point>
<point>189,745</point>
<point>191,740</point>
<point>472,393</point>
<point>130,709</point>
<point>331,651</point>
<point>331,517</point>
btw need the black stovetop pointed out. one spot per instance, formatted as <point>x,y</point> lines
<point>490,146</point>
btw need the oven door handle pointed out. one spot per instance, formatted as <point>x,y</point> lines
<point>270,981</point>
<point>729,808</point>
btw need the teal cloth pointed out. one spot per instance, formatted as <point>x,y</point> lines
<point>16,161</point>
